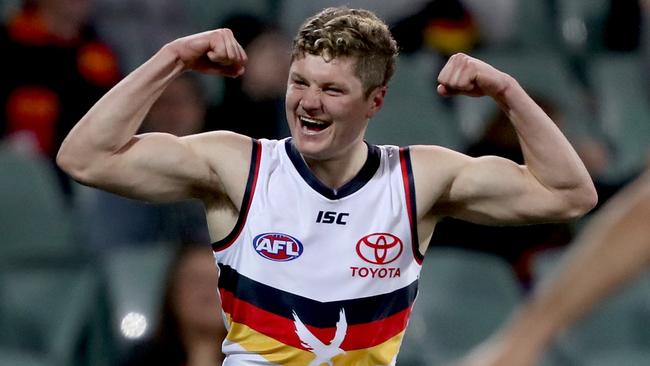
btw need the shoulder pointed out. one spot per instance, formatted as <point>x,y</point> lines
<point>218,141</point>
<point>435,169</point>
<point>220,148</point>
<point>438,158</point>
<point>227,155</point>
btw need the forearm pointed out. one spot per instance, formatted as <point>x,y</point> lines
<point>113,121</point>
<point>548,155</point>
<point>613,249</point>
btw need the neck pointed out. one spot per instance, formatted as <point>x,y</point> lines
<point>337,171</point>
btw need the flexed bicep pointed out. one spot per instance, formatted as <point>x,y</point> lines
<point>553,184</point>
<point>161,167</point>
<point>486,190</point>
<point>103,150</point>
<point>152,167</point>
<point>495,190</point>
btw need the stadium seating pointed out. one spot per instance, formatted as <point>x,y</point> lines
<point>19,358</point>
<point>535,27</point>
<point>464,296</point>
<point>135,279</point>
<point>623,108</point>
<point>35,223</point>
<point>580,24</point>
<point>46,312</point>
<point>618,328</point>
<point>413,112</point>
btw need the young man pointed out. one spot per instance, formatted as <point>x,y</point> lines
<point>319,238</point>
<point>611,251</point>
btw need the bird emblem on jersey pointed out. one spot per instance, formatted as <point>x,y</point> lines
<point>324,352</point>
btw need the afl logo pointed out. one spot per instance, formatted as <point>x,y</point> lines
<point>379,248</point>
<point>277,247</point>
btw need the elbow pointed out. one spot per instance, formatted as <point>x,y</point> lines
<point>68,163</point>
<point>73,165</point>
<point>581,201</point>
<point>588,198</point>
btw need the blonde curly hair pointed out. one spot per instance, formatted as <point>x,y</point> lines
<point>357,33</point>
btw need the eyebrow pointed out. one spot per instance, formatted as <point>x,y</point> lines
<point>335,86</point>
<point>295,75</point>
<point>328,84</point>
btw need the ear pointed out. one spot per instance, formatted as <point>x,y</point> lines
<point>376,100</point>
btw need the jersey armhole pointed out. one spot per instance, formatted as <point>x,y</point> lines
<point>409,193</point>
<point>253,173</point>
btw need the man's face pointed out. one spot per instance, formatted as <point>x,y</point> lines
<point>326,108</point>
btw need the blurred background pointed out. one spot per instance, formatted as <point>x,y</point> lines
<point>89,278</point>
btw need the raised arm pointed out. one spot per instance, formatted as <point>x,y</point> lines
<point>102,150</point>
<point>552,185</point>
<point>613,249</point>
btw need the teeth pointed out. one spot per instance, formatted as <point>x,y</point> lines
<point>309,120</point>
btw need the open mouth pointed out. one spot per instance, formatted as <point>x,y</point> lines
<point>313,125</point>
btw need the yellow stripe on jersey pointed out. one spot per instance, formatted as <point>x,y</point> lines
<point>381,354</point>
<point>280,353</point>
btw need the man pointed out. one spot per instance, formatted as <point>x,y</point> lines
<point>612,250</point>
<point>319,238</point>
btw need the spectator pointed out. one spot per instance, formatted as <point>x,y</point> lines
<point>444,26</point>
<point>55,67</point>
<point>137,28</point>
<point>622,26</point>
<point>253,105</point>
<point>293,12</point>
<point>449,26</point>
<point>645,40</point>
<point>191,328</point>
<point>496,20</point>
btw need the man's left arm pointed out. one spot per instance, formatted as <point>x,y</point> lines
<point>552,185</point>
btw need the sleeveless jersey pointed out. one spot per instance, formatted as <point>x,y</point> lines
<point>312,275</point>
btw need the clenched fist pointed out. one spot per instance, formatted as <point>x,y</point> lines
<point>465,75</point>
<point>213,52</point>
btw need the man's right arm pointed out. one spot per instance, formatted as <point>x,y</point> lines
<point>103,150</point>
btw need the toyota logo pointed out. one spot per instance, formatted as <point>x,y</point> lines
<point>379,248</point>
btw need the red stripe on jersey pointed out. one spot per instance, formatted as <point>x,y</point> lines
<point>410,203</point>
<point>250,189</point>
<point>358,336</point>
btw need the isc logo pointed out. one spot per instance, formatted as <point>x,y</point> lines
<point>331,217</point>
<point>277,247</point>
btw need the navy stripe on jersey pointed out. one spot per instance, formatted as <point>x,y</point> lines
<point>409,190</point>
<point>246,200</point>
<point>365,174</point>
<point>312,312</point>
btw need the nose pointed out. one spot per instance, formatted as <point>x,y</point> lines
<point>311,100</point>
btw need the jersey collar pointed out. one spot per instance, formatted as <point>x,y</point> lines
<point>364,175</point>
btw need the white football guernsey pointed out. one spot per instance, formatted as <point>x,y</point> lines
<point>311,275</point>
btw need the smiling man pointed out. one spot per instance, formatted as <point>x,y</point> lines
<point>319,238</point>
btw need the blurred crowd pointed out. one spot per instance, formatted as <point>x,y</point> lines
<point>587,62</point>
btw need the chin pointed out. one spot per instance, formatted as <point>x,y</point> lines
<point>302,140</point>
<point>309,149</point>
